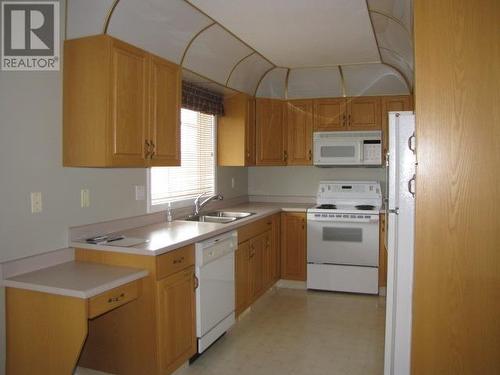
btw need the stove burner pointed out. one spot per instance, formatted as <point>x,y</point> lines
<point>364,207</point>
<point>327,206</point>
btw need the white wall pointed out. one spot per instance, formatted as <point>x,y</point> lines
<point>303,181</point>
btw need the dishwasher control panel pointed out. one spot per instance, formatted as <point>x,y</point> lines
<point>215,248</point>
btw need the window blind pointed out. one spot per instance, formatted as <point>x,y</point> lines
<point>197,171</point>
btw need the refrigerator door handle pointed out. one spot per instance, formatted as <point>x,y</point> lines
<point>411,185</point>
<point>411,143</point>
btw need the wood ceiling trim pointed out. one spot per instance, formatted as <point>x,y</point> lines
<point>108,16</point>
<point>342,80</point>
<point>193,39</point>
<point>236,65</point>
<point>261,78</point>
<point>394,19</point>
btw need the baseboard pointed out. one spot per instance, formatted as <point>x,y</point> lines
<point>291,284</point>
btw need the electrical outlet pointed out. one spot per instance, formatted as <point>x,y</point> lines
<point>36,202</point>
<point>140,192</point>
<point>232,182</point>
<point>85,198</point>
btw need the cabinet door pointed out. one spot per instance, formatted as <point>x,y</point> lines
<point>176,319</point>
<point>256,269</point>
<point>128,105</point>
<point>275,247</point>
<point>165,104</point>
<point>250,133</point>
<point>392,103</point>
<point>293,246</point>
<point>299,122</point>
<point>267,261</point>
<point>364,113</point>
<point>330,114</point>
<point>242,277</point>
<point>270,132</point>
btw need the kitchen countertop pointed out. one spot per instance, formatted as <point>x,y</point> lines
<point>163,237</point>
<point>76,279</point>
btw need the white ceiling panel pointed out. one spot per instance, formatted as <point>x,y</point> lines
<point>161,27</point>
<point>395,61</point>
<point>273,84</point>
<point>86,17</point>
<point>393,36</point>
<point>373,79</point>
<point>298,33</point>
<point>399,9</point>
<point>314,83</point>
<point>247,74</point>
<point>214,53</point>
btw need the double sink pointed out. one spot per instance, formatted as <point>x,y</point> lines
<point>221,217</point>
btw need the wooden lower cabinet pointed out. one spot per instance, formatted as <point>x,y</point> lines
<point>256,268</point>
<point>293,246</point>
<point>176,313</point>
<point>163,333</point>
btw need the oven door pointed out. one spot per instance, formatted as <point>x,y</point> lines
<point>348,243</point>
<point>337,152</point>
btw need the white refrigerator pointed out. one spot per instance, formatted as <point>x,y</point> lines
<point>400,205</point>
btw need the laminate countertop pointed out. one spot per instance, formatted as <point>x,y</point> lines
<point>163,237</point>
<point>76,279</point>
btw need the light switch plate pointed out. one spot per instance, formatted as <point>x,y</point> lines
<point>36,202</point>
<point>85,198</point>
<point>140,192</point>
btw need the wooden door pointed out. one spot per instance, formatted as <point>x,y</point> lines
<point>128,105</point>
<point>270,132</point>
<point>363,113</point>
<point>176,316</point>
<point>250,133</point>
<point>388,104</point>
<point>164,112</point>
<point>267,262</point>
<point>242,277</point>
<point>329,114</point>
<point>456,298</point>
<point>299,120</point>
<point>293,246</point>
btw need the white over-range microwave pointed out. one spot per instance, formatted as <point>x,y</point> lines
<point>348,148</point>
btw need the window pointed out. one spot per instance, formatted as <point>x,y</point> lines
<point>197,171</point>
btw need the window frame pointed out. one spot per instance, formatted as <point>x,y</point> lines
<point>184,203</point>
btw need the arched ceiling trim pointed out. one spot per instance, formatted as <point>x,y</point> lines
<point>403,76</point>
<point>287,78</point>
<point>108,16</point>
<point>229,31</point>
<point>392,18</point>
<point>248,72</point>
<point>193,39</point>
<point>236,65</point>
<point>261,78</point>
<point>342,81</point>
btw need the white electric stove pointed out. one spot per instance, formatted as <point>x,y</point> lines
<point>343,237</point>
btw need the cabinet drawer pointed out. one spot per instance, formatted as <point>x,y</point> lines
<point>174,261</point>
<point>113,298</point>
<point>254,229</point>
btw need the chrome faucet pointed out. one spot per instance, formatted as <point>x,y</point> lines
<point>199,205</point>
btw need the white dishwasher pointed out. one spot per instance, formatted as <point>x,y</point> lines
<point>215,295</point>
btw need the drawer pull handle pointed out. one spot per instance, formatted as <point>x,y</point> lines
<point>196,282</point>
<point>180,260</point>
<point>116,299</point>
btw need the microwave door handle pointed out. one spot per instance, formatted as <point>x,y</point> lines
<point>361,151</point>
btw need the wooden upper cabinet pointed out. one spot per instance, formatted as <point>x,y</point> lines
<point>236,132</point>
<point>270,132</point>
<point>121,105</point>
<point>165,103</point>
<point>330,114</point>
<point>128,112</point>
<point>391,104</point>
<point>299,122</point>
<point>364,113</point>
<point>293,246</point>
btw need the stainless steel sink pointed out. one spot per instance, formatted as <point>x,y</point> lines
<point>238,215</point>
<point>221,217</point>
